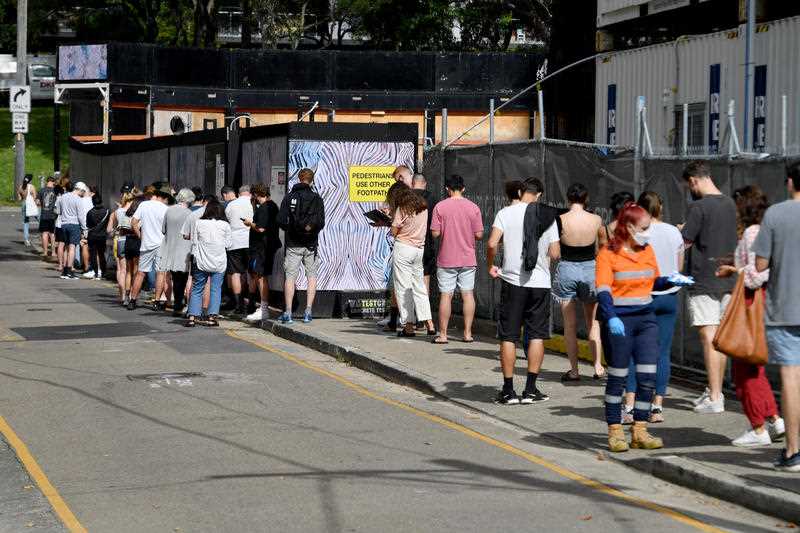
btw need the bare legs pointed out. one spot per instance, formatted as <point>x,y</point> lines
<point>790,405</point>
<point>715,361</point>
<point>569,312</point>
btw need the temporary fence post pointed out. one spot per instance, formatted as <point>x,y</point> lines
<point>685,134</point>
<point>733,144</point>
<point>646,133</point>
<point>637,147</point>
<point>491,120</point>
<point>542,135</point>
<point>444,126</point>
<point>784,112</point>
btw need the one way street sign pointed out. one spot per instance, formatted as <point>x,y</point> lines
<point>19,99</point>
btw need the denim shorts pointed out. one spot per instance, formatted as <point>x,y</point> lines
<point>784,345</point>
<point>450,279</point>
<point>72,233</point>
<point>575,281</point>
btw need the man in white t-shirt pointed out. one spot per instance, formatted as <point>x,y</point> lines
<point>86,205</point>
<point>237,211</point>
<point>148,223</point>
<point>525,295</point>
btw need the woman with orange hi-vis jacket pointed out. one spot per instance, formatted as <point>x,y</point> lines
<point>627,274</point>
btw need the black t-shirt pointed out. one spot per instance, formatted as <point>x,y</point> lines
<point>711,229</point>
<point>47,200</point>
<point>265,216</point>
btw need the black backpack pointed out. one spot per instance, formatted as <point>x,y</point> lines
<point>304,212</point>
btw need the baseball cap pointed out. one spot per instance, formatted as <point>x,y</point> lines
<point>82,186</point>
<point>126,187</point>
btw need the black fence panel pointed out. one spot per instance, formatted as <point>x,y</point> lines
<point>192,67</point>
<point>187,166</point>
<point>280,70</point>
<point>384,71</point>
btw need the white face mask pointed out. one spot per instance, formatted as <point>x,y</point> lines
<point>642,238</point>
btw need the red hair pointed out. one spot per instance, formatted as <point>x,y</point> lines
<point>631,214</point>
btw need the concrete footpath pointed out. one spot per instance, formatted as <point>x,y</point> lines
<point>697,452</point>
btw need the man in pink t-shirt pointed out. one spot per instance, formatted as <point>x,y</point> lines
<point>457,222</point>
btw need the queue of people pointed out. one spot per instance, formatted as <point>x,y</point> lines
<point>624,276</point>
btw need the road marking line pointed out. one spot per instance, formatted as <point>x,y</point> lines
<point>564,472</point>
<point>33,468</point>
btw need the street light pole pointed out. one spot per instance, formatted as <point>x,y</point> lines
<point>22,70</point>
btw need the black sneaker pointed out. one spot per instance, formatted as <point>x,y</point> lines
<point>131,305</point>
<point>73,275</point>
<point>787,464</point>
<point>536,396</point>
<point>507,398</point>
<point>65,274</point>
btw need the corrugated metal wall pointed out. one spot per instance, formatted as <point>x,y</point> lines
<point>669,75</point>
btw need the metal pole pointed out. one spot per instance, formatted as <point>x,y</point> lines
<point>491,120</point>
<point>685,143</point>
<point>748,68</point>
<point>784,112</point>
<point>21,79</point>
<point>444,127</point>
<point>541,116</point>
<point>637,147</point>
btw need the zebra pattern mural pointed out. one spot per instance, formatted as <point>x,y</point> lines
<point>354,256</point>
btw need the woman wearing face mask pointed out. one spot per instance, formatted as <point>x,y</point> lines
<point>627,274</point>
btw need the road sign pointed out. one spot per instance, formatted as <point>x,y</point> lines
<point>19,124</point>
<point>19,99</point>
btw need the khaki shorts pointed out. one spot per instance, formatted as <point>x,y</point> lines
<point>707,309</point>
<point>295,256</point>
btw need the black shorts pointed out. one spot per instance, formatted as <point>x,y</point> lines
<point>237,261</point>
<point>261,262</point>
<point>523,306</point>
<point>60,237</point>
<point>132,245</point>
<point>47,226</point>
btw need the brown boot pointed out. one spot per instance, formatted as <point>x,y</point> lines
<point>641,439</point>
<point>616,439</point>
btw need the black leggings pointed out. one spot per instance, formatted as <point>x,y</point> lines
<point>179,280</point>
<point>97,252</point>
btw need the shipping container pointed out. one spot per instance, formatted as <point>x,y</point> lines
<point>706,72</point>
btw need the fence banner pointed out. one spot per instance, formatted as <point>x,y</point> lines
<point>713,108</point>
<point>760,109</point>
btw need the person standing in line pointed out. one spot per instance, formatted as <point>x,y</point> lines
<point>228,195</point>
<point>524,295</point>
<point>26,193</point>
<point>752,386</point>
<point>457,223</point>
<point>47,216</point>
<point>86,206</point>
<point>404,175</point>
<point>197,210</point>
<point>237,211</point>
<point>175,249</point>
<point>777,248</point>
<point>264,242</point>
<point>302,217</point>
<point>574,279</point>
<point>667,244</point>
<point>710,236</point>
<point>627,274</point>
<point>96,236</point>
<point>147,222</point>
<point>64,186</point>
<point>420,186</point>
<point>409,214</point>
<point>72,225</point>
<point>618,201</point>
<point>119,225</point>
<point>210,237</point>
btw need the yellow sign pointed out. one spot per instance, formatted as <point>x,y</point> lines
<point>370,183</point>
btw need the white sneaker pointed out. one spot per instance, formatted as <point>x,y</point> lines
<point>28,243</point>
<point>88,275</point>
<point>776,429</point>
<point>751,439</point>
<point>99,275</point>
<point>255,316</point>
<point>384,322</point>
<point>706,393</point>
<point>709,407</point>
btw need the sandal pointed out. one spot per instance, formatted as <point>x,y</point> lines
<point>438,340</point>
<point>212,322</point>
<point>468,341</point>
<point>405,333</point>
<point>190,322</point>
<point>569,376</point>
<point>598,377</point>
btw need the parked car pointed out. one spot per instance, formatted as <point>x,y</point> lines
<point>41,77</point>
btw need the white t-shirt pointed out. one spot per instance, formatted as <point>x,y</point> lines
<point>193,217</point>
<point>150,215</point>
<point>210,238</point>
<point>235,211</point>
<point>86,206</point>
<point>510,221</point>
<point>667,243</point>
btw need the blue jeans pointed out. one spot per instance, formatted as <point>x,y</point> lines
<point>199,279</point>
<point>639,346</point>
<point>666,309</point>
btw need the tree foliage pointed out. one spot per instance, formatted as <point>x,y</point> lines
<point>467,25</point>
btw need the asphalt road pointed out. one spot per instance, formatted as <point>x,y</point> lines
<point>270,436</point>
